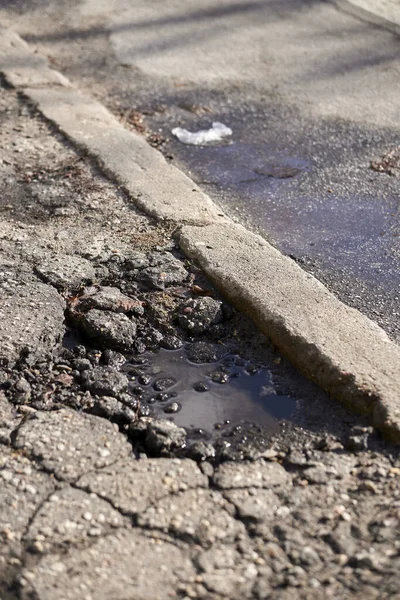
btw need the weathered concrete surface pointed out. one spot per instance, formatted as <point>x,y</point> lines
<point>124,568</point>
<point>253,504</point>
<point>31,318</point>
<point>191,515</point>
<point>338,347</point>
<point>21,67</point>
<point>316,525</point>
<point>22,491</point>
<point>9,420</point>
<point>250,475</point>
<point>70,516</point>
<point>65,272</point>
<point>157,187</point>
<point>83,442</point>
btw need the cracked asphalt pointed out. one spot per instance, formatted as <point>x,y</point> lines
<point>83,517</point>
<point>103,498</point>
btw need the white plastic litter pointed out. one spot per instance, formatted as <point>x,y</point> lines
<point>204,136</point>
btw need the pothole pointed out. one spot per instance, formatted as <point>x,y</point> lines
<point>206,397</point>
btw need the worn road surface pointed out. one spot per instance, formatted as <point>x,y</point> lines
<point>109,331</point>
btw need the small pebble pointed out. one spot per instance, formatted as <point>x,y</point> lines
<point>137,390</point>
<point>220,377</point>
<point>174,407</point>
<point>164,396</point>
<point>201,387</point>
<point>144,411</point>
<point>164,383</point>
<point>144,379</point>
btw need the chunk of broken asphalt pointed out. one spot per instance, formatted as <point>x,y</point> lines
<point>162,437</point>
<point>113,409</point>
<point>65,271</point>
<point>205,352</point>
<point>197,315</point>
<point>104,381</point>
<point>113,330</point>
<point>110,298</point>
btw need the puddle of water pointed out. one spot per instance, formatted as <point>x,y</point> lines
<point>208,395</point>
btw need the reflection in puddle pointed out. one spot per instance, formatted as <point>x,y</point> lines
<point>208,394</point>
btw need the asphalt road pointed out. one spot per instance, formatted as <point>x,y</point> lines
<point>314,516</point>
<point>311,94</point>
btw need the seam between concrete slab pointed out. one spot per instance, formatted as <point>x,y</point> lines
<point>375,17</point>
<point>336,346</point>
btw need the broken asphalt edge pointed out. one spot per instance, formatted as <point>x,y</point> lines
<point>376,15</point>
<point>336,346</point>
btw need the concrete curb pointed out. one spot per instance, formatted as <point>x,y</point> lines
<point>372,11</point>
<point>157,187</point>
<point>21,67</point>
<point>336,346</point>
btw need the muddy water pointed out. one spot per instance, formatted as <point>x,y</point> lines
<point>208,396</point>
